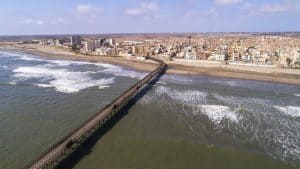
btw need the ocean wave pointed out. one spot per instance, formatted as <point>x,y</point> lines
<point>216,113</point>
<point>119,71</point>
<point>4,67</point>
<point>227,82</point>
<point>177,78</point>
<point>9,54</point>
<point>62,80</point>
<point>191,97</point>
<point>162,83</point>
<point>12,83</point>
<point>109,68</point>
<point>235,99</point>
<point>293,111</point>
<point>186,96</point>
<point>103,87</point>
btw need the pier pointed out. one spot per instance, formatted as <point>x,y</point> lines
<point>62,149</point>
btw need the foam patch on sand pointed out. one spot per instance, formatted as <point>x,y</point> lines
<point>293,111</point>
<point>62,80</point>
<point>216,113</point>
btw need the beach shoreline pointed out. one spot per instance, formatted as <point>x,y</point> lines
<point>267,75</point>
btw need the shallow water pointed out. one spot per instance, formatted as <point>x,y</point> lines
<point>204,122</point>
<point>182,122</point>
<point>42,100</point>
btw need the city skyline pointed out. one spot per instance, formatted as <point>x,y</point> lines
<point>143,16</point>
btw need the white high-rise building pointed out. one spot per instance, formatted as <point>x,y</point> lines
<point>111,42</point>
<point>89,46</point>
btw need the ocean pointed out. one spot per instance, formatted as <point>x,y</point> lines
<point>181,122</point>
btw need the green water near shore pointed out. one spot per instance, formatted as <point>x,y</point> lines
<point>170,128</point>
<point>136,143</point>
<point>182,122</point>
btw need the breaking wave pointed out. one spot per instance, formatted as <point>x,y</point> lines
<point>62,79</point>
<point>293,111</point>
<point>119,71</point>
<point>60,75</point>
<point>195,100</point>
<point>216,113</point>
<point>187,96</point>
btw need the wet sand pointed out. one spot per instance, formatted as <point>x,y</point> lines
<point>251,73</point>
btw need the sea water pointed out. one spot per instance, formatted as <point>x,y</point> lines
<point>181,122</point>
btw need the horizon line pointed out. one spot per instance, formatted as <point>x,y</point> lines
<point>204,32</point>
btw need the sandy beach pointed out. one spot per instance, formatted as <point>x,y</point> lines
<point>285,76</point>
<point>61,53</point>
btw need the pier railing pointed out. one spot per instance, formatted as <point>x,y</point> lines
<point>56,153</point>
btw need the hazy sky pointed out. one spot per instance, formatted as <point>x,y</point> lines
<point>131,16</point>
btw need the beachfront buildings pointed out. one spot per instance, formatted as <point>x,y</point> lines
<point>266,49</point>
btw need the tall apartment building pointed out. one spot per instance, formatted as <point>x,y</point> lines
<point>75,40</point>
<point>89,46</point>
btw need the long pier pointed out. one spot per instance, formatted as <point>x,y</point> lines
<point>62,149</point>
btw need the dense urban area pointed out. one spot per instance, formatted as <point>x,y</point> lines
<point>267,50</point>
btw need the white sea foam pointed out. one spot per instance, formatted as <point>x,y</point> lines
<point>109,68</point>
<point>29,58</point>
<point>103,87</point>
<point>187,96</point>
<point>226,82</point>
<point>119,71</point>
<point>242,101</point>
<point>293,111</point>
<point>72,62</point>
<point>4,67</point>
<point>216,113</point>
<point>298,95</point>
<point>177,78</point>
<point>190,97</point>
<point>62,79</point>
<point>12,83</point>
<point>20,56</point>
<point>163,83</point>
<point>44,85</point>
<point>8,54</point>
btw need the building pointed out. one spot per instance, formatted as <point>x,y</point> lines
<point>75,40</point>
<point>111,42</point>
<point>217,57</point>
<point>98,43</point>
<point>89,46</point>
<point>295,55</point>
<point>190,56</point>
<point>58,42</point>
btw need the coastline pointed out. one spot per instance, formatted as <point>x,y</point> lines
<point>147,66</point>
<point>144,66</point>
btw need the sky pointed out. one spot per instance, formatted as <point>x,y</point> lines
<point>31,17</point>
